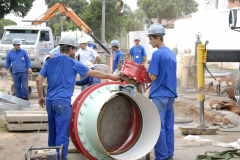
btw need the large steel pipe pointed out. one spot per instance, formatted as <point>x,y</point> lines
<point>110,124</point>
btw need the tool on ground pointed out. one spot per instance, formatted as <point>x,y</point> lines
<point>227,155</point>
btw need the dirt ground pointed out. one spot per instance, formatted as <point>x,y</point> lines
<point>14,144</point>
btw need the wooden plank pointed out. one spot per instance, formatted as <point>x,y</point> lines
<point>26,117</point>
<point>27,127</point>
<point>25,112</point>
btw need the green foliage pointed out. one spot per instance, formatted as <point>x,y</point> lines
<point>19,8</point>
<point>169,9</point>
<point>6,22</point>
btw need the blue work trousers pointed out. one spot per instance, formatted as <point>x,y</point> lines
<point>165,145</point>
<point>85,86</point>
<point>20,81</point>
<point>59,115</point>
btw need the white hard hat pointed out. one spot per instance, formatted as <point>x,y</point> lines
<point>156,29</point>
<point>16,41</point>
<point>88,64</point>
<point>82,40</point>
<point>115,43</point>
<point>68,40</point>
<point>137,38</point>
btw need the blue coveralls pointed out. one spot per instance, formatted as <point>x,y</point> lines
<point>88,81</point>
<point>163,93</point>
<point>20,64</point>
<point>61,72</point>
<point>138,54</point>
<point>116,57</point>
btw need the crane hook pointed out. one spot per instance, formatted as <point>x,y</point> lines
<point>119,8</point>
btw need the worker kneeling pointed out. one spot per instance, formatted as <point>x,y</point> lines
<point>88,80</point>
<point>61,72</point>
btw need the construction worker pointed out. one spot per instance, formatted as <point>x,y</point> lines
<point>137,52</point>
<point>88,80</point>
<point>91,45</point>
<point>117,55</point>
<point>21,67</point>
<point>61,72</point>
<point>162,72</point>
<point>86,54</point>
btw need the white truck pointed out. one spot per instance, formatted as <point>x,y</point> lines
<point>37,40</point>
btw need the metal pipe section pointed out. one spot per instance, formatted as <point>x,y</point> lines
<point>201,59</point>
<point>110,124</point>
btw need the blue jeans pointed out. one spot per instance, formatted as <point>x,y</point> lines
<point>165,145</point>
<point>59,115</point>
<point>81,78</point>
<point>20,81</point>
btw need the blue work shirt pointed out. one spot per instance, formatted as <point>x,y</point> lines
<point>163,65</point>
<point>138,53</point>
<point>20,61</point>
<point>88,81</point>
<point>55,52</point>
<point>116,57</point>
<point>93,46</point>
<point>61,72</point>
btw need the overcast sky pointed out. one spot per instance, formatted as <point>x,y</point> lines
<point>39,8</point>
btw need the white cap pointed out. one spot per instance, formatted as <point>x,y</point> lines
<point>16,41</point>
<point>88,64</point>
<point>137,38</point>
<point>82,40</point>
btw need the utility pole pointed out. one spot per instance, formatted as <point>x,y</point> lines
<point>158,15</point>
<point>103,22</point>
<point>61,20</point>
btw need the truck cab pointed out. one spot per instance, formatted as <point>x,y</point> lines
<point>36,40</point>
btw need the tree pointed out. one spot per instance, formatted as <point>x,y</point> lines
<point>6,22</point>
<point>168,9</point>
<point>93,18</point>
<point>19,8</point>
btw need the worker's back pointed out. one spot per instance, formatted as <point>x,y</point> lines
<point>61,73</point>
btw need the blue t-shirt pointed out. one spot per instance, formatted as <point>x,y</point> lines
<point>93,46</point>
<point>55,52</point>
<point>116,57</point>
<point>20,61</point>
<point>88,81</point>
<point>163,65</point>
<point>138,54</point>
<point>61,72</point>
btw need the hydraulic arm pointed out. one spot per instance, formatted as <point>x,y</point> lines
<point>68,12</point>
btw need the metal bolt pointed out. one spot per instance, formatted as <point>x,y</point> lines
<point>96,155</point>
<point>80,132</point>
<point>89,149</point>
<point>85,103</point>
<point>74,110</point>
<point>78,102</point>
<point>80,122</point>
<point>92,96</point>
<point>84,141</point>
<point>72,120</point>
<point>134,78</point>
<point>82,112</point>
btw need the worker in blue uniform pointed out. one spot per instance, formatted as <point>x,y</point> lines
<point>88,80</point>
<point>117,55</point>
<point>137,52</point>
<point>61,72</point>
<point>21,67</point>
<point>162,72</point>
<point>91,45</point>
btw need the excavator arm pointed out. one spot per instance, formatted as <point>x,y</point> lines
<point>68,12</point>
